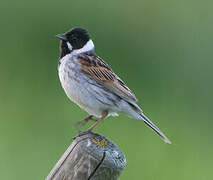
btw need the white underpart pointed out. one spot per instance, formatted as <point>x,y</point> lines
<point>69,46</point>
<point>89,46</point>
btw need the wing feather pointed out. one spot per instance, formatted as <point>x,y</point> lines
<point>100,71</point>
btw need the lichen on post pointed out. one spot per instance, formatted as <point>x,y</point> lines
<point>91,156</point>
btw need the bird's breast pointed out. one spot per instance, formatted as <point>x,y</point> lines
<point>69,76</point>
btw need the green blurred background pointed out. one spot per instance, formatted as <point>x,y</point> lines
<point>161,49</point>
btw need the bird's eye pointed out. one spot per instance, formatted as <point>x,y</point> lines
<point>74,38</point>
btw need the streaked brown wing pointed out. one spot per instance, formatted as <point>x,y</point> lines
<point>100,71</point>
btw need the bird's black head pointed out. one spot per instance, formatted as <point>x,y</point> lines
<point>74,39</point>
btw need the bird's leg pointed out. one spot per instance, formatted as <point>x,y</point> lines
<point>104,114</point>
<point>84,121</point>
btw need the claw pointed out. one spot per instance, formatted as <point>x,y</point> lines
<point>82,133</point>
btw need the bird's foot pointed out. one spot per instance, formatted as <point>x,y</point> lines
<point>82,133</point>
<point>84,121</point>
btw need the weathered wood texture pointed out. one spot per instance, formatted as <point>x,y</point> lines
<point>89,157</point>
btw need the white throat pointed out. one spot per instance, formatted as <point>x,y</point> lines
<point>89,46</point>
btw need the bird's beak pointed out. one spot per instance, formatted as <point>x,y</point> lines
<point>62,37</point>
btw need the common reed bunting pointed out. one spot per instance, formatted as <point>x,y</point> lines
<point>90,82</point>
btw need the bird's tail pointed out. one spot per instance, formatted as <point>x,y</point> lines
<point>155,128</point>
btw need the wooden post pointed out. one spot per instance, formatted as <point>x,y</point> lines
<point>91,156</point>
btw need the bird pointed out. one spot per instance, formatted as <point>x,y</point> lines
<point>91,83</point>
